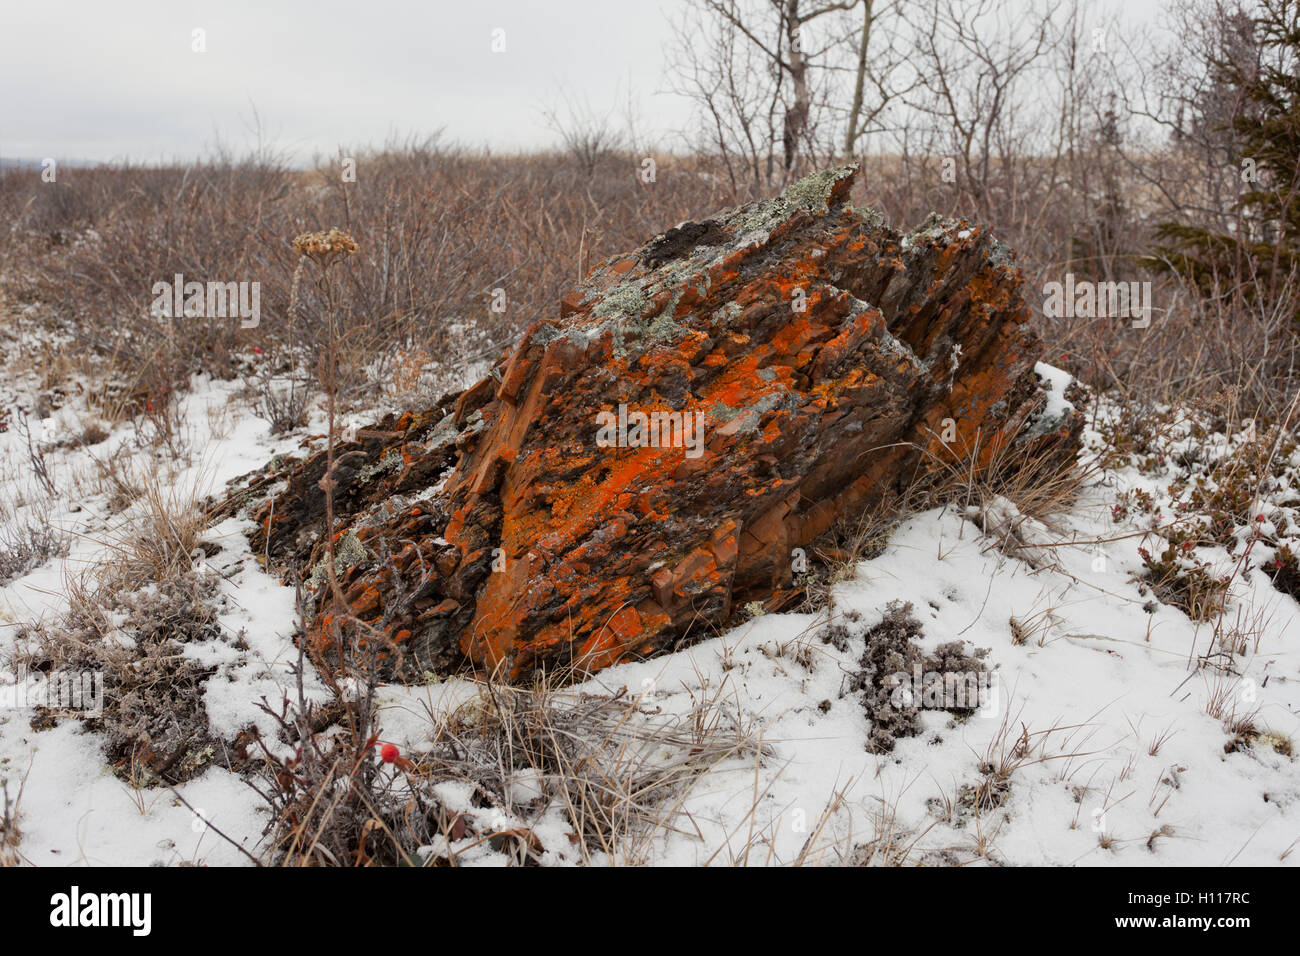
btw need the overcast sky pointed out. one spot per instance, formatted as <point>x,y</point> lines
<point>113,79</point>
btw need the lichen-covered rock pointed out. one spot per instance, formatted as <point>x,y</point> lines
<point>645,461</point>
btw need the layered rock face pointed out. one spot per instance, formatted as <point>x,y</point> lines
<point>648,459</point>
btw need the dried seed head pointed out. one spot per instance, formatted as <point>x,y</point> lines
<point>325,247</point>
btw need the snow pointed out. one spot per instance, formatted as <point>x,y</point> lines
<point>1055,382</point>
<point>1102,676</point>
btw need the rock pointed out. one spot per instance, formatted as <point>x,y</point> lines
<point>760,375</point>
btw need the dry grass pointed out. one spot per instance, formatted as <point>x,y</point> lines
<point>1001,492</point>
<point>163,543</point>
<point>975,481</point>
<point>609,770</point>
<point>460,250</point>
<point>1035,627</point>
<point>10,835</point>
<point>28,539</point>
<point>1013,748</point>
<point>1159,740</point>
<point>617,771</point>
<point>119,479</point>
<point>892,843</point>
<point>128,619</point>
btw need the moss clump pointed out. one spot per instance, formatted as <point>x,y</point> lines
<point>442,432</point>
<point>891,657</point>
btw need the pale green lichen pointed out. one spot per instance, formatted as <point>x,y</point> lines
<point>622,307</point>
<point>663,328</point>
<point>870,216</point>
<point>393,459</point>
<point>628,326</point>
<point>545,334</point>
<point>348,553</point>
<point>812,193</point>
<point>444,431</point>
<point>626,299</point>
<point>750,415</point>
<point>728,314</point>
<point>474,423</point>
<point>722,413</point>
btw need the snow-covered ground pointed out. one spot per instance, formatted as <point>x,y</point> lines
<point>1095,747</point>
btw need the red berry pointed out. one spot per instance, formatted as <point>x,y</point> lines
<point>389,753</point>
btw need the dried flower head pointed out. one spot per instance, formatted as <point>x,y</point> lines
<point>325,247</point>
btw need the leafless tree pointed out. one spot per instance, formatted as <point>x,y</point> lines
<point>882,62</point>
<point>586,134</point>
<point>1186,113</point>
<point>759,69</point>
<point>978,62</point>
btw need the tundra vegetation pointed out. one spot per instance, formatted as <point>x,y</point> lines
<point>1146,185</point>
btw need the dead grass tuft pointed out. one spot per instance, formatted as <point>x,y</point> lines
<point>10,835</point>
<point>130,620</point>
<point>525,773</point>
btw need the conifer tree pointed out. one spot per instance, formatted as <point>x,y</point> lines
<point>1261,250</point>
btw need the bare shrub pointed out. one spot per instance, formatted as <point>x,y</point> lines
<point>27,542</point>
<point>458,252</point>
<point>605,766</point>
<point>40,468</point>
<point>283,402</point>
